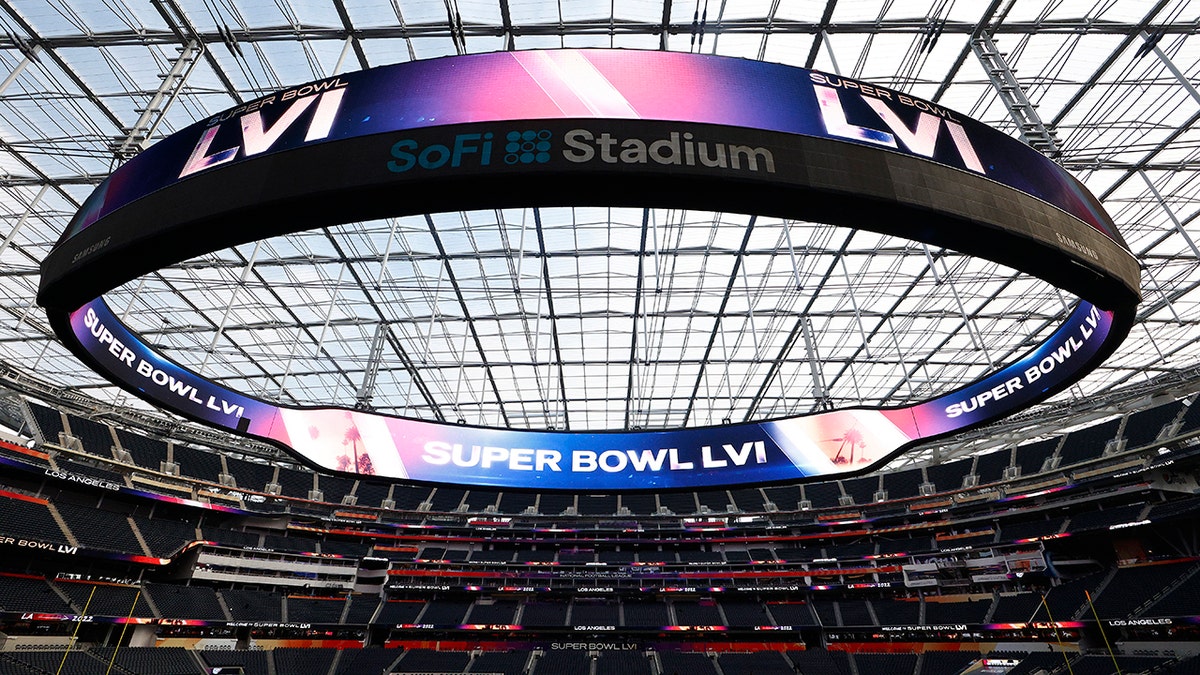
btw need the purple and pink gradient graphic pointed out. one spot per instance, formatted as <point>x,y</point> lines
<point>364,443</point>
<point>591,84</point>
<point>605,85</point>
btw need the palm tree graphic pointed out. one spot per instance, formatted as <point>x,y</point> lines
<point>850,439</point>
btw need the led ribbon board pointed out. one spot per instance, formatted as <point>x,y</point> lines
<point>594,128</point>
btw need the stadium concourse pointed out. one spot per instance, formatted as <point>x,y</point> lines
<point>140,533</point>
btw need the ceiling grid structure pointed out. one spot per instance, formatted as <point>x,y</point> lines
<point>592,318</point>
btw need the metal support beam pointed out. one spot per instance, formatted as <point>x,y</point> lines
<point>814,364</point>
<point>750,313</point>
<point>183,29</point>
<point>367,391</point>
<point>976,340</point>
<point>900,357</point>
<point>634,360</point>
<point>982,25</point>
<point>506,21</point>
<point>548,292</point>
<point>1024,113</point>
<point>1152,45</point>
<point>138,136</point>
<point>821,27</point>
<point>351,38</point>
<point>24,218</point>
<point>762,44</point>
<point>341,59</point>
<point>1170,213</point>
<point>401,30</point>
<point>16,72</point>
<point>854,303</point>
<point>1130,35</point>
<point>829,50</point>
<point>1162,293</point>
<point>246,271</point>
<point>718,329</point>
<point>663,35</point>
<point>456,26</point>
<point>96,100</point>
<point>465,308</point>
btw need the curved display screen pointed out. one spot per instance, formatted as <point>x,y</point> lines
<point>840,441</point>
<point>592,127</point>
<point>589,84</point>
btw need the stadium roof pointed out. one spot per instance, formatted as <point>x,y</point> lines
<point>563,318</point>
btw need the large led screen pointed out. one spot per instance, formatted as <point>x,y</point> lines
<point>591,127</point>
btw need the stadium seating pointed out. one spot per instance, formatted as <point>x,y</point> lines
<point>846,540</point>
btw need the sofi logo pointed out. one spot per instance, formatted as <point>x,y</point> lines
<point>529,146</point>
